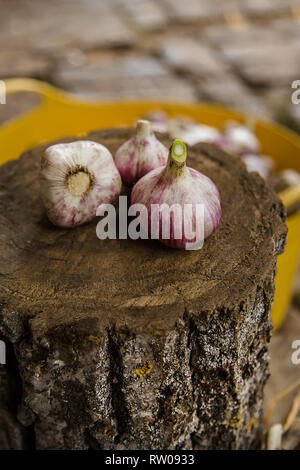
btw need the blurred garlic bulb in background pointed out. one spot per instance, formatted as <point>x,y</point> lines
<point>239,139</point>
<point>192,133</point>
<point>159,120</point>
<point>262,164</point>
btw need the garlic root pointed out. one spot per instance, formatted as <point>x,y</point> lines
<point>75,179</point>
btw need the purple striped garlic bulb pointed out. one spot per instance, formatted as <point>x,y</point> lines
<point>177,184</point>
<point>140,154</point>
<point>239,139</point>
<point>75,179</point>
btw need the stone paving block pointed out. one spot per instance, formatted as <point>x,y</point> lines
<point>50,26</point>
<point>269,65</point>
<point>274,74</point>
<point>221,36</point>
<point>191,56</point>
<point>145,14</point>
<point>124,77</point>
<point>267,54</point>
<point>273,63</point>
<point>288,27</point>
<point>265,7</point>
<point>23,63</point>
<point>230,91</point>
<point>192,10</point>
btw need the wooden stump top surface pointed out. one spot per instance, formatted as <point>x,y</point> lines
<point>59,277</point>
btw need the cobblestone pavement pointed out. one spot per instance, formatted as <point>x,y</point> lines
<point>242,53</point>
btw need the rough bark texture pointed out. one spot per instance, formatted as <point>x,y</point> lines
<point>130,344</point>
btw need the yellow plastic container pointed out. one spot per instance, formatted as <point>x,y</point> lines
<point>62,114</point>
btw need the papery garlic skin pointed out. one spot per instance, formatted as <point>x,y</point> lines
<point>290,176</point>
<point>262,164</point>
<point>75,179</point>
<point>140,154</point>
<point>192,133</point>
<point>159,121</point>
<point>178,184</point>
<point>239,139</point>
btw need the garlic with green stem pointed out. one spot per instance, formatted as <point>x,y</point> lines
<point>179,186</point>
<point>140,154</point>
<point>75,179</point>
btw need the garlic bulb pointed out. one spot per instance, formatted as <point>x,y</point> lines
<point>192,133</point>
<point>140,154</point>
<point>159,120</point>
<point>262,164</point>
<point>290,177</point>
<point>177,184</point>
<point>75,179</point>
<point>239,139</point>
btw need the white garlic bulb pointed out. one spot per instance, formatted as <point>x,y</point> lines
<point>192,133</point>
<point>239,139</point>
<point>75,179</point>
<point>290,176</point>
<point>262,164</point>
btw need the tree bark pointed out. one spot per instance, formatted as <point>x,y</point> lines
<point>124,344</point>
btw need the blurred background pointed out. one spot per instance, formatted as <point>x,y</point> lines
<point>240,53</point>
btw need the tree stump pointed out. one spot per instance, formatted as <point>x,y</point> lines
<point>124,344</point>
